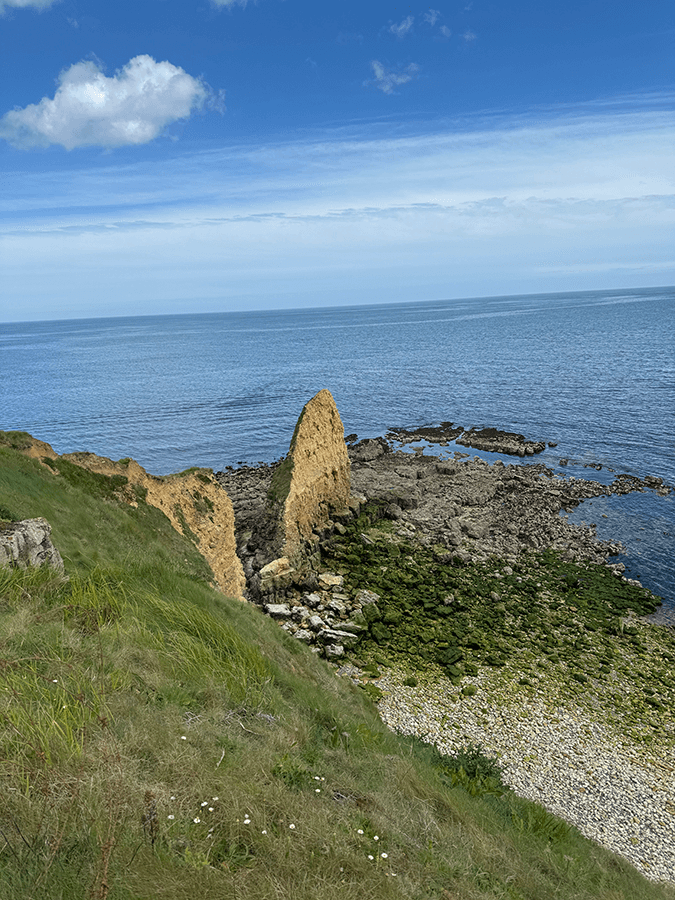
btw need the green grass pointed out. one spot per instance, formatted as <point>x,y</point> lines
<point>132,695</point>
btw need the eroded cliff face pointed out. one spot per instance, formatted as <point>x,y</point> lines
<point>193,502</point>
<point>314,480</point>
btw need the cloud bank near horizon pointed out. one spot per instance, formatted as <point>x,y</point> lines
<point>25,4</point>
<point>516,207</point>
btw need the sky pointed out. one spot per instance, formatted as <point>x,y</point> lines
<point>166,156</point>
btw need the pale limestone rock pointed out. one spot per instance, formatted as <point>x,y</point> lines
<point>330,581</point>
<point>319,471</point>
<point>316,623</point>
<point>365,597</point>
<point>276,575</point>
<point>275,568</point>
<point>29,543</point>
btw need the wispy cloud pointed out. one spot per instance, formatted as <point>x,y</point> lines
<point>445,31</point>
<point>230,3</point>
<point>491,206</point>
<point>469,36</point>
<point>387,80</point>
<point>432,16</point>
<point>25,4</point>
<point>403,27</point>
<point>91,109</point>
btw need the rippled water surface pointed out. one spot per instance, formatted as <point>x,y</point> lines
<point>593,371</point>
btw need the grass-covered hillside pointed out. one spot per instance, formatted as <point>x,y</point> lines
<point>159,740</point>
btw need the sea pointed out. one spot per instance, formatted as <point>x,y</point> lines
<point>591,372</point>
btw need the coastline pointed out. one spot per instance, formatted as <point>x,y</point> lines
<point>559,754</point>
<point>590,757</point>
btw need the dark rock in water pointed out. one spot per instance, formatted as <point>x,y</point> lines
<point>495,441</point>
<point>28,543</point>
<point>489,439</point>
<point>434,434</point>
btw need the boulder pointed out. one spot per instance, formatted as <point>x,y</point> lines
<point>28,543</point>
<point>276,575</point>
<point>278,610</point>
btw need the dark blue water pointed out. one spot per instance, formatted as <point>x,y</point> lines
<point>593,371</point>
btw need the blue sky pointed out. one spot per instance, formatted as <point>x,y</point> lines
<point>172,156</point>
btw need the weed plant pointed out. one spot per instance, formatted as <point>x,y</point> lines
<point>159,740</point>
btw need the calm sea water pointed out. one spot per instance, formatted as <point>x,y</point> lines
<point>593,371</point>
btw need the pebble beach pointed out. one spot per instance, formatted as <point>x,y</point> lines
<point>615,792</point>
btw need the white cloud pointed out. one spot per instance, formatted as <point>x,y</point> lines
<point>229,3</point>
<point>445,31</point>
<point>24,4</point>
<point>432,16</point>
<point>403,27</point>
<point>90,109</point>
<point>387,80</point>
<point>469,36</point>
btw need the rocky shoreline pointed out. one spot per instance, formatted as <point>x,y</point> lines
<point>472,508</point>
<point>459,596</point>
<point>573,729</point>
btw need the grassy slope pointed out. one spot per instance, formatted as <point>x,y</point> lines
<point>133,695</point>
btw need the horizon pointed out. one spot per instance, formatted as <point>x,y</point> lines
<point>337,307</point>
<point>236,155</point>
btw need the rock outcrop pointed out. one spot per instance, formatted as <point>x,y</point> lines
<point>490,439</point>
<point>194,503</point>
<point>28,543</point>
<point>314,479</point>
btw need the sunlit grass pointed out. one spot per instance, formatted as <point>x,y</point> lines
<point>158,740</point>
